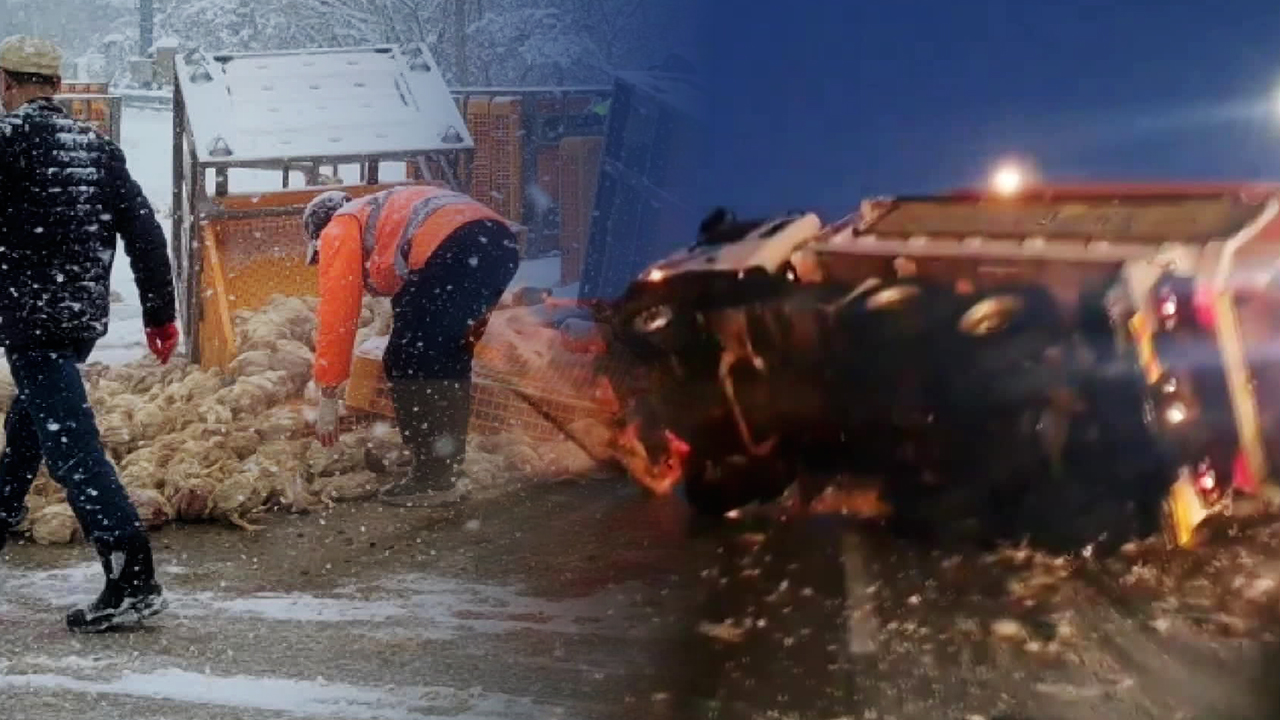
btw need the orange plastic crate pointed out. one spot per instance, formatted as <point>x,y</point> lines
<point>549,104</point>
<point>367,389</point>
<point>84,88</point>
<point>549,172</point>
<point>579,176</point>
<point>507,185</point>
<point>479,123</point>
<point>578,104</point>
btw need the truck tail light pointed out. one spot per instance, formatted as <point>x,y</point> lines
<point>1180,302</point>
<point>1168,307</point>
<point>1202,307</point>
<point>1206,480</point>
<point>1207,483</point>
<point>1241,476</point>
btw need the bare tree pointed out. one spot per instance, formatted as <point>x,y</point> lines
<point>475,41</point>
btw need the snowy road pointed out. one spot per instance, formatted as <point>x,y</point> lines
<point>364,613</point>
<point>590,601</point>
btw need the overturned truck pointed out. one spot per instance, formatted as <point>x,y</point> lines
<point>1063,365</point>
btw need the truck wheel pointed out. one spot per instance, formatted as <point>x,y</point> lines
<point>713,488</point>
<point>893,296</point>
<point>952,516</point>
<point>1069,514</point>
<point>1019,309</point>
<point>788,271</point>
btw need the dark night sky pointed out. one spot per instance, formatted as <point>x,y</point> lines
<point>817,103</point>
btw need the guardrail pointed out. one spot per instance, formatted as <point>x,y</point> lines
<point>151,99</point>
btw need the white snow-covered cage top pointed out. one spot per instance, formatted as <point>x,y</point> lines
<point>346,104</point>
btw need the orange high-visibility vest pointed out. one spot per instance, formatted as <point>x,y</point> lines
<point>374,243</point>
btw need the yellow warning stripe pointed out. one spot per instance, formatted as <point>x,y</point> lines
<point>1143,336</point>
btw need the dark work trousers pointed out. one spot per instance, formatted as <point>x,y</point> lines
<point>428,357</point>
<point>51,421</point>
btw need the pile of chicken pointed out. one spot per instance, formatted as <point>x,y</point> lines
<point>191,444</point>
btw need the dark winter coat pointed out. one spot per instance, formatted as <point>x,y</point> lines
<point>65,194</point>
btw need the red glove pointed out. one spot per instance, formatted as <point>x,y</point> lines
<point>163,341</point>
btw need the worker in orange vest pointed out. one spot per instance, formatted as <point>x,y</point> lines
<point>445,260</point>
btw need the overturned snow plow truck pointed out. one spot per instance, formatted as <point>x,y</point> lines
<point>1063,365</point>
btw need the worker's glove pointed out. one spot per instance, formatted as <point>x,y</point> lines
<point>327,421</point>
<point>163,340</point>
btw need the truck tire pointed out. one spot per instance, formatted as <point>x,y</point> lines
<point>788,271</point>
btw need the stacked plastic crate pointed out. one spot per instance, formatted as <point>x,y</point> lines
<point>462,167</point>
<point>550,117</point>
<point>579,175</point>
<point>506,186</point>
<point>650,165</point>
<point>515,166</point>
<point>91,103</point>
<point>545,127</point>
<point>85,88</point>
<point>479,122</point>
<point>547,164</point>
<point>496,173</point>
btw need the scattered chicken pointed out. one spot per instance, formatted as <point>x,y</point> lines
<point>196,445</point>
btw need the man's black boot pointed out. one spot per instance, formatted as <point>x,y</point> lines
<point>432,419</point>
<point>131,594</point>
<point>7,526</point>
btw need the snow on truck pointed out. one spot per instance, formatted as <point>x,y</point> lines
<point>1063,361</point>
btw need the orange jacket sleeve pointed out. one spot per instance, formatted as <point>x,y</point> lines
<point>341,295</point>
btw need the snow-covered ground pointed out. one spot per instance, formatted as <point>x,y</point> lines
<point>146,137</point>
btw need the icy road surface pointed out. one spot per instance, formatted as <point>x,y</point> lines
<point>144,137</point>
<point>592,601</point>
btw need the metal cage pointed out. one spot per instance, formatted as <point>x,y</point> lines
<point>234,250</point>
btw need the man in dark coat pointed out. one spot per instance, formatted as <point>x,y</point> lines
<point>65,194</point>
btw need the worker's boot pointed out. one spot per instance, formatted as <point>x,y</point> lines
<point>432,416</point>
<point>7,526</point>
<point>131,594</point>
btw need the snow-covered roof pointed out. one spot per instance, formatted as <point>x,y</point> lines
<point>309,104</point>
<point>676,89</point>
